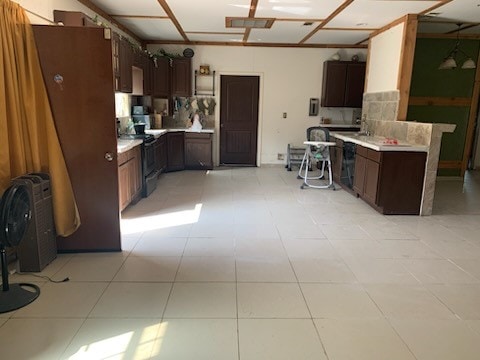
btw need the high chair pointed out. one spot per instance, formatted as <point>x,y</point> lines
<point>317,150</point>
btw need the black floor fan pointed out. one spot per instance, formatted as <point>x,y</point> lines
<point>15,215</point>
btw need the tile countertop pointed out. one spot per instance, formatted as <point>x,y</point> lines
<point>158,132</point>
<point>125,145</point>
<point>377,142</point>
<point>340,126</point>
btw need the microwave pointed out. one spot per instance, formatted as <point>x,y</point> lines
<point>139,110</point>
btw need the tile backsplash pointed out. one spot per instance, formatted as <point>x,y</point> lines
<point>381,105</point>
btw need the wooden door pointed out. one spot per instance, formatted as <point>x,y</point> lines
<point>77,67</point>
<point>239,119</point>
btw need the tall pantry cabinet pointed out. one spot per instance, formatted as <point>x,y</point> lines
<point>77,68</point>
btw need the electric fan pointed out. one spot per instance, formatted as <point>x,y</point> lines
<point>15,215</point>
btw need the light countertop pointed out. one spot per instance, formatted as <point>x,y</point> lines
<point>124,145</point>
<point>377,143</point>
<point>158,132</point>
<point>340,126</point>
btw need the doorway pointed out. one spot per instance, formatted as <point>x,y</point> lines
<point>239,120</point>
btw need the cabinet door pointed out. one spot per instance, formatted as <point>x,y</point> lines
<point>359,175</point>
<point>126,62</point>
<point>161,78</point>
<point>175,151</point>
<point>136,169</point>
<point>333,86</point>
<point>124,185</point>
<point>355,83</point>
<point>147,76</point>
<point>198,151</point>
<point>116,60</point>
<point>182,77</point>
<point>337,158</point>
<point>372,171</point>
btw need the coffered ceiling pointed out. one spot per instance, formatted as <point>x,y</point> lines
<point>303,23</point>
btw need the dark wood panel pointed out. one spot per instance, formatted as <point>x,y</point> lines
<point>370,186</point>
<point>333,85</point>
<point>354,85</point>
<point>198,151</point>
<point>161,78</point>
<point>82,102</point>
<point>175,151</point>
<point>181,77</point>
<point>359,174</point>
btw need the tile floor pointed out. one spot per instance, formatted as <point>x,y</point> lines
<point>241,264</point>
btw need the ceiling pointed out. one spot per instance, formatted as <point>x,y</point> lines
<point>305,23</point>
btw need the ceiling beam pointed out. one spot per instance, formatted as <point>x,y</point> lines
<point>106,16</point>
<point>251,14</point>
<point>140,17</point>
<point>170,14</point>
<point>327,20</point>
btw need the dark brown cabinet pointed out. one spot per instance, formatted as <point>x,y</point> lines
<point>175,151</point>
<point>336,155</point>
<point>343,84</point>
<point>390,181</point>
<point>126,62</point>
<point>129,176</point>
<point>181,83</point>
<point>161,154</point>
<point>161,77</point>
<point>198,151</point>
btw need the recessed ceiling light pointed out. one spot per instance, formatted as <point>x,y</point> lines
<point>434,14</point>
<point>245,22</point>
<point>361,24</point>
<point>308,23</point>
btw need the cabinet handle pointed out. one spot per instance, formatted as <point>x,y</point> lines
<point>108,156</point>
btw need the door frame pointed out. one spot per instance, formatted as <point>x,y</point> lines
<point>260,113</point>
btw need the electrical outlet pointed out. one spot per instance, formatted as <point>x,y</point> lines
<point>284,115</point>
<point>280,156</point>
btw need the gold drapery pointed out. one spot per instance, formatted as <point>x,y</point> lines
<point>28,138</point>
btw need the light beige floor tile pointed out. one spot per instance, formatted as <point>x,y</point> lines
<point>471,266</point>
<point>69,299</point>
<point>259,247</point>
<point>279,339</point>
<point>439,339</point>
<point>91,267</point>
<point>42,339</point>
<point>155,269</point>
<point>133,300</point>
<point>322,270</point>
<point>3,321</point>
<point>339,301</point>
<point>210,247</point>
<point>261,300</point>
<point>305,229</point>
<point>150,246</point>
<point>344,232</point>
<point>361,339</point>
<point>474,325</point>
<point>438,272</point>
<point>370,271</point>
<point>387,232</point>
<point>452,248</point>
<point>400,301</point>
<point>463,300</point>
<point>114,339</point>
<point>256,231</point>
<point>202,300</point>
<point>208,231</point>
<point>49,270</point>
<point>207,268</point>
<point>264,269</point>
<point>186,339</point>
<point>320,249</point>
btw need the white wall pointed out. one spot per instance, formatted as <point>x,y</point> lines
<point>288,79</point>
<point>384,60</point>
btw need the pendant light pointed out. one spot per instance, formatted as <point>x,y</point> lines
<point>450,62</point>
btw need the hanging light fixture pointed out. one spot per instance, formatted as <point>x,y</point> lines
<point>450,61</point>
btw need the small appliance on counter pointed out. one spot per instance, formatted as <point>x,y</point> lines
<point>140,115</point>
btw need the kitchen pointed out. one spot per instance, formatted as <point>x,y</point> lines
<point>278,69</point>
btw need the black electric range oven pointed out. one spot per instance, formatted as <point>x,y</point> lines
<point>149,173</point>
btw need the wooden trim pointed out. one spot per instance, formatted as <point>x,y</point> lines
<point>430,9</point>
<point>444,164</point>
<point>439,101</point>
<point>277,45</point>
<point>394,23</point>
<point>106,16</point>
<point>448,36</point>
<point>299,20</point>
<point>367,69</point>
<point>470,136</point>
<point>166,8</point>
<point>349,29</point>
<point>251,14</point>
<point>327,20</point>
<point>246,35</point>
<point>140,17</point>
<point>214,32</point>
<point>406,64</point>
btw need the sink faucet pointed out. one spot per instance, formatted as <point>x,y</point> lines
<point>364,126</point>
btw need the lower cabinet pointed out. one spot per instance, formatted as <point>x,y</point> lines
<point>336,154</point>
<point>390,181</point>
<point>161,154</point>
<point>198,151</point>
<point>129,176</point>
<point>175,151</point>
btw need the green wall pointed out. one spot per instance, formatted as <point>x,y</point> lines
<point>428,81</point>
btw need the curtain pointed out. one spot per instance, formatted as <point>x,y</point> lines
<point>28,138</point>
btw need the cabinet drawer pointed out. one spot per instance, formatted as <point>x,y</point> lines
<point>192,135</point>
<point>123,158</point>
<point>374,155</point>
<point>362,151</point>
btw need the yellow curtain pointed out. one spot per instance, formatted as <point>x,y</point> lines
<point>28,138</point>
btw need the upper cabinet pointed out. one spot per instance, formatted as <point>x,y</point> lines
<point>126,63</point>
<point>161,77</point>
<point>343,84</point>
<point>181,77</point>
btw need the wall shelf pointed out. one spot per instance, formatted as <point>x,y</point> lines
<point>203,89</point>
